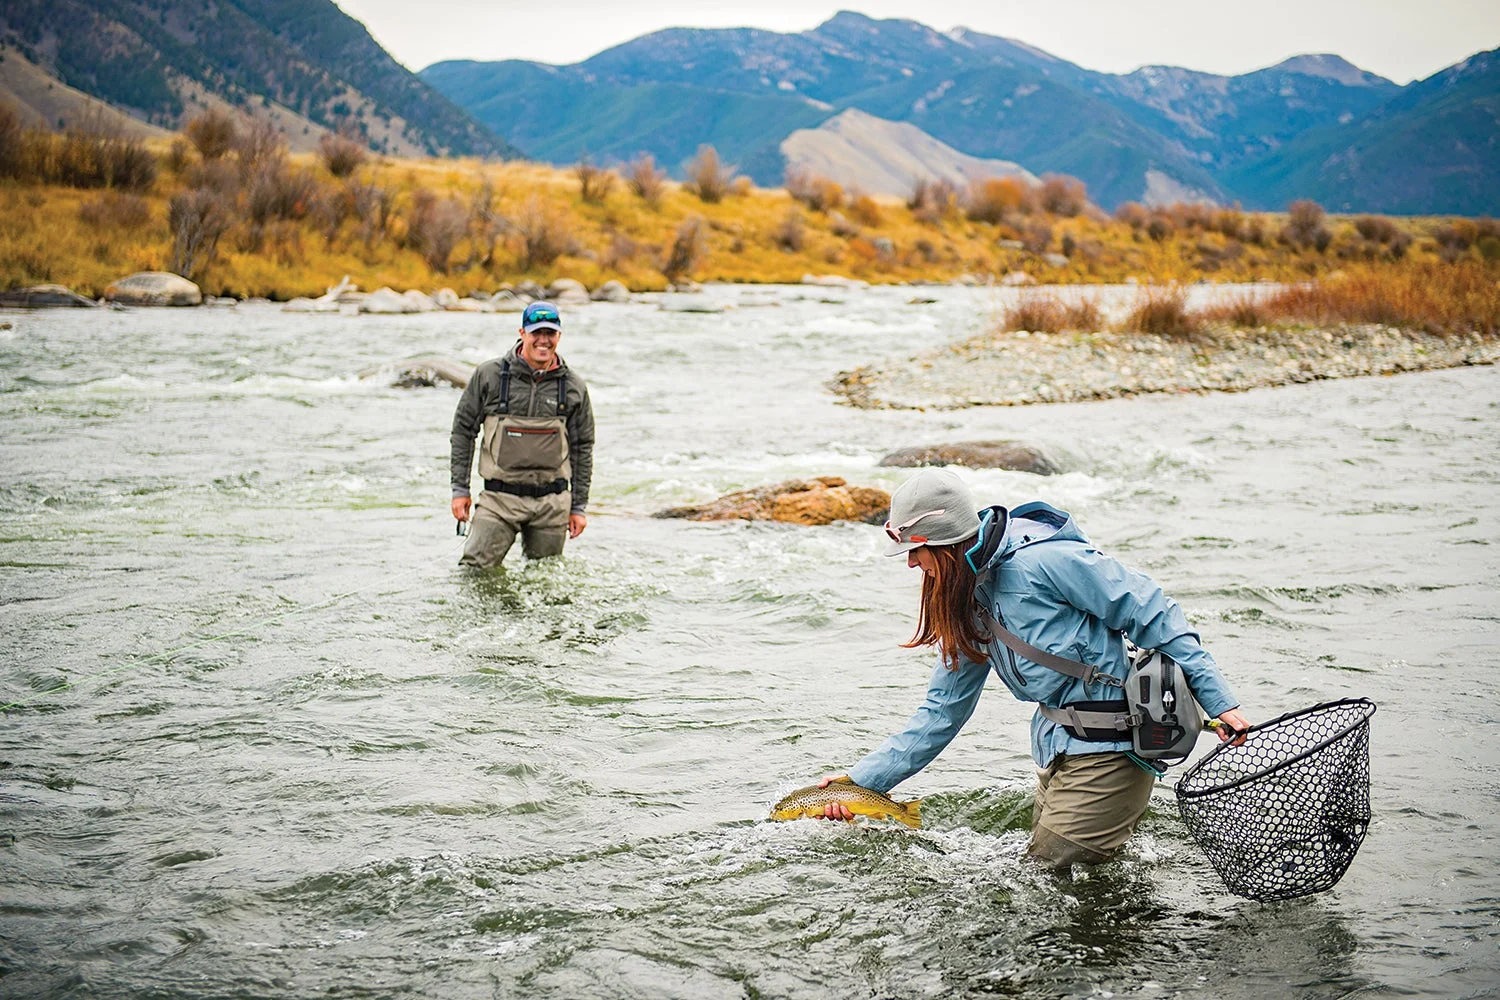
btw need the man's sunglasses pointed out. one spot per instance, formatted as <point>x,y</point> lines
<point>901,529</point>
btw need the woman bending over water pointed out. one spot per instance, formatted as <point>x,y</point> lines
<point>1038,576</point>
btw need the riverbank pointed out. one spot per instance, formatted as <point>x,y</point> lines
<point>1016,368</point>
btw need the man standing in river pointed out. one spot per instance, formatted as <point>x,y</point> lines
<point>537,454</point>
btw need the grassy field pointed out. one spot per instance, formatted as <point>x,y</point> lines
<point>242,217</point>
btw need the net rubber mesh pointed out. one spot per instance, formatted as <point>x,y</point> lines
<point>1283,814</point>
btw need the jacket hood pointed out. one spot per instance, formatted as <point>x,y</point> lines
<point>1002,532</point>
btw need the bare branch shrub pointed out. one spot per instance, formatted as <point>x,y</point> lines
<point>434,227</point>
<point>791,233</point>
<point>1063,195</point>
<point>931,200</point>
<point>197,217</point>
<point>1038,236</point>
<point>372,205</point>
<point>1305,227</point>
<point>708,177</point>
<point>212,133</point>
<point>1040,311</point>
<point>643,177</point>
<point>994,199</point>
<point>595,183</point>
<point>115,210</point>
<point>815,191</point>
<point>1133,214</point>
<point>259,145</point>
<point>686,249</point>
<point>542,234</point>
<point>341,154</point>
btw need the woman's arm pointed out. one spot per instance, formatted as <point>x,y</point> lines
<point>951,697</point>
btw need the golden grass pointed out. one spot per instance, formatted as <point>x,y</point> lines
<point>294,228</point>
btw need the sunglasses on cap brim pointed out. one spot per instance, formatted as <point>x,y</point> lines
<point>896,532</point>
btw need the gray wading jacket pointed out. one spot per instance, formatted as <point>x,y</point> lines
<point>532,394</point>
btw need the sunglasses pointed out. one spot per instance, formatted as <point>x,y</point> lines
<point>901,529</point>
<point>542,315</point>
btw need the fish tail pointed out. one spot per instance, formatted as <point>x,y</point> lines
<point>911,814</point>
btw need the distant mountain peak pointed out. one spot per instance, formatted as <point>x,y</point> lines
<point>1328,66</point>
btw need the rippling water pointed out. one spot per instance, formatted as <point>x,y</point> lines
<point>301,753</point>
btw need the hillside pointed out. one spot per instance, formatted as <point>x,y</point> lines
<point>1157,134</point>
<point>304,62</point>
<point>1433,148</point>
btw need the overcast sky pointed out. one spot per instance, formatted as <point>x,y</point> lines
<point>1399,39</point>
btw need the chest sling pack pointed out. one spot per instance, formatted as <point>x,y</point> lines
<point>1156,709</point>
<point>558,485</point>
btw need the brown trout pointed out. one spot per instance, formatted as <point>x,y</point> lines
<point>861,801</point>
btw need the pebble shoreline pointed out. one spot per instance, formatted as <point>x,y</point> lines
<point>1021,368</point>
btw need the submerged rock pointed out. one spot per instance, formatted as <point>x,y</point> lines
<point>1011,455</point>
<point>798,501</point>
<point>154,288</point>
<point>45,297</point>
<point>423,372</point>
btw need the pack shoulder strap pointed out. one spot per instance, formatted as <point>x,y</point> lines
<point>1061,664</point>
<point>505,386</point>
<point>562,393</point>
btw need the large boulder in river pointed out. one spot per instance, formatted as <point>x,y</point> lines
<point>798,501</point>
<point>154,288</point>
<point>383,301</point>
<point>422,372</point>
<point>1011,455</point>
<point>44,297</point>
<point>611,291</point>
<point>568,292</point>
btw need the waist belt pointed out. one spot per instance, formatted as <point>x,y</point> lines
<point>558,485</point>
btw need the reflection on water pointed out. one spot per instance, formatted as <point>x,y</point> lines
<point>389,776</point>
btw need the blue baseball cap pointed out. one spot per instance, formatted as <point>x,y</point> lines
<point>541,316</point>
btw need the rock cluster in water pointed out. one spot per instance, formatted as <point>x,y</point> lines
<point>798,501</point>
<point>417,373</point>
<point>346,297</point>
<point>1012,455</point>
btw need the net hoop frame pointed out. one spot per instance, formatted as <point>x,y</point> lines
<point>1193,793</point>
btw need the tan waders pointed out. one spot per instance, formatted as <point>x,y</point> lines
<point>524,462</point>
<point>1087,805</point>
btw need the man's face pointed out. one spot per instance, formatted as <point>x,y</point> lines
<point>539,348</point>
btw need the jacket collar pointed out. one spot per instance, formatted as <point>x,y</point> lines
<point>999,536</point>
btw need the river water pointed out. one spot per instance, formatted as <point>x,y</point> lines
<point>273,742</point>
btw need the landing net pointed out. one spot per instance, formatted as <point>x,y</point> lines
<point>1282,814</point>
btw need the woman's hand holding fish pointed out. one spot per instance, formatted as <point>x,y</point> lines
<point>836,810</point>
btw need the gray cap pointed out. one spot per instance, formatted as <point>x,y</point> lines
<point>934,507</point>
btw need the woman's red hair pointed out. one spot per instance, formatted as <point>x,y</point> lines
<point>948,617</point>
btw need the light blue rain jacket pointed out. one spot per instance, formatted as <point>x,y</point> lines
<point>1049,585</point>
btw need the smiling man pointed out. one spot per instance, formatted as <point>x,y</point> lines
<point>537,454</point>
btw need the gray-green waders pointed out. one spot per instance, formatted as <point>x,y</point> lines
<point>529,454</point>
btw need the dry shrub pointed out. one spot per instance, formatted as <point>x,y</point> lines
<point>1305,227</point>
<point>216,174</point>
<point>708,177</point>
<point>685,250</point>
<point>1229,221</point>
<point>1063,195</point>
<point>741,186</point>
<point>1162,309</point>
<point>434,227</point>
<point>926,249</point>
<point>198,217</point>
<point>1243,311</point>
<point>12,137</point>
<point>115,210</point>
<point>866,211</point>
<point>212,133</point>
<point>791,233</point>
<point>179,156</point>
<point>542,234</point>
<point>621,250</point>
<point>1038,236</point>
<point>595,183</point>
<point>841,227</point>
<point>1043,311</point>
<point>90,154</point>
<point>993,199</point>
<point>341,154</point>
<point>931,200</point>
<point>259,146</point>
<point>648,182</point>
<point>1159,227</point>
<point>1133,214</point>
<point>815,191</point>
<point>486,225</point>
<point>372,206</point>
<point>1436,297</point>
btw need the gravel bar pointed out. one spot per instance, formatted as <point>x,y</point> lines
<point>1019,368</point>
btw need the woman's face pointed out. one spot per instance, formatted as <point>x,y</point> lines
<point>922,558</point>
